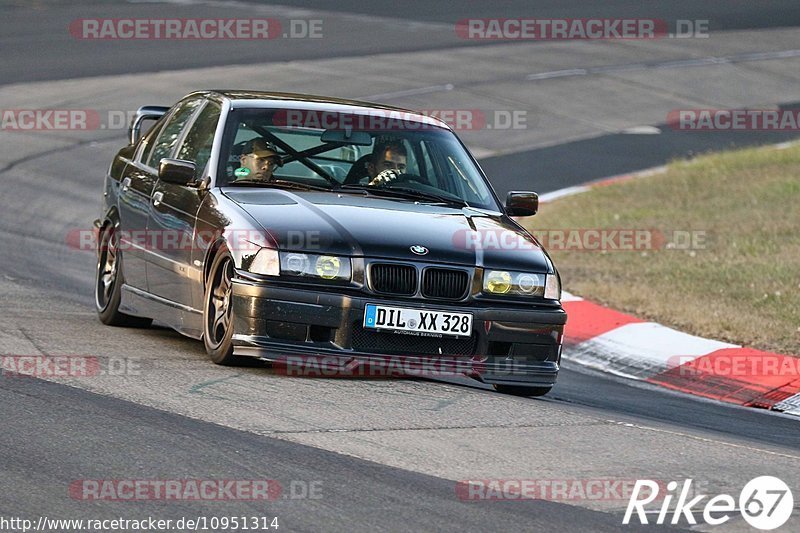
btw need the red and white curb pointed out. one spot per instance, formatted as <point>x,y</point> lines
<point>620,344</point>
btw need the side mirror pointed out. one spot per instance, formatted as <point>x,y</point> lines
<point>522,204</point>
<point>176,171</point>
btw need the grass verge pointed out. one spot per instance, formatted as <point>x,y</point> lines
<point>738,282</point>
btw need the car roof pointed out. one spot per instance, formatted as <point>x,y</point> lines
<point>263,99</point>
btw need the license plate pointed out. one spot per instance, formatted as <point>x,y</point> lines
<point>417,320</point>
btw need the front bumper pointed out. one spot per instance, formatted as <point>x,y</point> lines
<point>509,345</point>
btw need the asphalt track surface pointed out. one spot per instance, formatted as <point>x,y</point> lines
<point>387,453</point>
<point>34,43</point>
<point>358,495</point>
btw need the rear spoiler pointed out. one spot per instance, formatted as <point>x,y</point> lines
<point>148,112</point>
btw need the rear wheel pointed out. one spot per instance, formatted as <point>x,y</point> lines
<point>218,311</point>
<point>519,390</point>
<point>108,283</point>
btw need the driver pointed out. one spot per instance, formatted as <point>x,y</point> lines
<point>388,161</point>
<point>260,159</point>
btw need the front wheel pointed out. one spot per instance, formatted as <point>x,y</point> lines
<point>519,390</point>
<point>218,311</point>
<point>108,283</point>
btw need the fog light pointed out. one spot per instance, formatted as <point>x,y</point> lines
<point>328,266</point>
<point>497,282</point>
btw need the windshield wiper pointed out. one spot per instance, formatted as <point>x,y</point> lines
<point>445,198</point>
<point>408,193</point>
<point>280,184</point>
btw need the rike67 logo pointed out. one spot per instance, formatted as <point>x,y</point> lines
<point>765,503</point>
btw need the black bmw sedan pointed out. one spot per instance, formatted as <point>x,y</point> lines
<point>294,228</point>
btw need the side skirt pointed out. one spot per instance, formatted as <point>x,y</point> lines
<point>182,318</point>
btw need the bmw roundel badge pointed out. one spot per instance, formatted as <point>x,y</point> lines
<point>419,250</point>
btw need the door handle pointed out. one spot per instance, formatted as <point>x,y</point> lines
<point>157,197</point>
<point>126,183</point>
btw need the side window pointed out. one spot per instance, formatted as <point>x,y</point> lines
<point>165,142</point>
<point>149,141</point>
<point>197,144</point>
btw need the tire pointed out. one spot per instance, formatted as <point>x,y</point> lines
<point>218,311</point>
<point>109,277</point>
<point>519,390</point>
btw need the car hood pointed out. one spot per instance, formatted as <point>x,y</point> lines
<point>369,226</point>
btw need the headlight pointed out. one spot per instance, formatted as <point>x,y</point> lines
<point>266,262</point>
<point>514,283</point>
<point>295,264</point>
<point>552,289</point>
<point>328,267</point>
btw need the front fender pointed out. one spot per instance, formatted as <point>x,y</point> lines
<point>224,225</point>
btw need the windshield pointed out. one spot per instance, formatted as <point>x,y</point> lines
<point>381,155</point>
